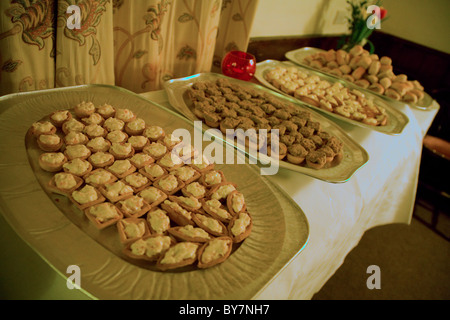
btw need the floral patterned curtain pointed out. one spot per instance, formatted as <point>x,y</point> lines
<point>133,44</point>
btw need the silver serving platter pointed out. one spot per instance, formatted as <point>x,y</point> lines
<point>63,236</point>
<point>297,56</point>
<point>397,120</point>
<point>354,158</point>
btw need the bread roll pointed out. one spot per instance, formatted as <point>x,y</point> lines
<point>341,57</point>
<point>401,78</point>
<point>386,82</point>
<point>358,73</point>
<point>400,87</point>
<point>348,78</point>
<point>385,67</point>
<point>363,83</point>
<point>391,93</point>
<point>410,97</point>
<point>330,55</point>
<point>371,78</point>
<point>374,67</point>
<point>356,50</point>
<point>386,60</point>
<point>376,87</point>
<point>419,93</point>
<point>364,62</point>
<point>333,64</point>
<point>345,69</point>
<point>354,62</point>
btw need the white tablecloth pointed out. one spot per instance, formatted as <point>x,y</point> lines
<point>382,192</point>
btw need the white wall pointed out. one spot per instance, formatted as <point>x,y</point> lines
<point>420,21</point>
<point>297,17</point>
<point>426,22</point>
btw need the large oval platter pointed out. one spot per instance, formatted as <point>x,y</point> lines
<point>63,236</point>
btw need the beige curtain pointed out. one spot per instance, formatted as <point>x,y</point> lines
<point>135,44</point>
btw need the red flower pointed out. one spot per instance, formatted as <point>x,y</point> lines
<point>383,13</point>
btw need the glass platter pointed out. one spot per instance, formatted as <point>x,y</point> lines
<point>397,119</point>
<point>298,55</point>
<point>354,158</point>
<point>62,235</point>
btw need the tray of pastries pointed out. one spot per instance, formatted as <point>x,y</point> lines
<point>368,71</point>
<point>307,142</point>
<point>332,96</point>
<point>139,222</point>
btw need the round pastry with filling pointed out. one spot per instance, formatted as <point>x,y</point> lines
<point>124,114</point>
<point>77,167</point>
<point>52,161</point>
<point>94,118</point>
<point>117,136</point>
<point>316,159</point>
<point>64,183</point>
<point>72,125</point>
<point>101,159</point>
<point>135,127</point>
<point>121,150</point>
<point>75,137</point>
<point>98,144</point>
<point>103,215</point>
<point>49,142</point>
<point>112,124</point>
<point>106,111</point>
<point>59,117</point>
<point>42,127</point>
<point>121,168</point>
<point>296,153</point>
<point>84,109</point>
<point>154,133</point>
<point>77,151</point>
<point>86,197</point>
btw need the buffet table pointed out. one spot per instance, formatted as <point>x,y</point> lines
<point>381,192</point>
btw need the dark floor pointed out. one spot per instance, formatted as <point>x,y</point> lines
<point>413,261</point>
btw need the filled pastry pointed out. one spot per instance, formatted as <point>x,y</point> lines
<point>214,251</point>
<point>86,197</point>
<point>50,142</point>
<point>52,161</point>
<point>158,221</point>
<point>133,206</point>
<point>149,248</point>
<point>103,215</point>
<point>78,167</point>
<point>120,172</point>
<point>64,183</point>
<point>131,229</point>
<point>153,196</point>
<point>180,255</point>
<point>57,118</point>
